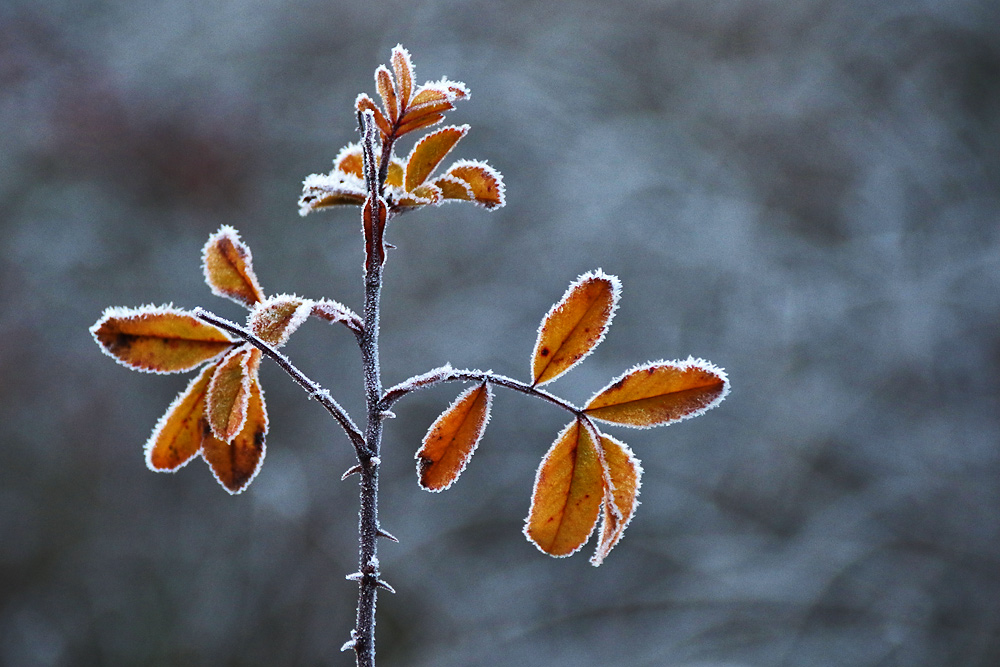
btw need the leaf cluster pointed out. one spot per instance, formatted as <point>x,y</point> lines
<point>586,476</point>
<point>409,182</point>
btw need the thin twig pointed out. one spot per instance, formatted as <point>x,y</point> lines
<point>313,388</point>
<point>449,374</point>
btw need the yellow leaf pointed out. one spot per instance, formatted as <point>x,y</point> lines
<point>158,340</point>
<point>660,392</point>
<point>624,473</point>
<point>575,325</point>
<point>428,153</point>
<point>236,463</point>
<point>277,318</point>
<point>403,69</point>
<point>177,436</point>
<point>229,390</point>
<point>485,182</point>
<point>568,493</point>
<point>453,438</point>
<point>388,93</point>
<point>394,176</point>
<point>228,267</point>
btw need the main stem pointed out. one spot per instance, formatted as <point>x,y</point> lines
<point>368,565</point>
<point>368,528</point>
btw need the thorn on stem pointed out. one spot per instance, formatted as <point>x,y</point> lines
<point>351,471</point>
<point>355,576</point>
<point>383,584</point>
<point>350,643</point>
<point>387,535</point>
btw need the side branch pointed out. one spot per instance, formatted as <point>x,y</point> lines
<point>448,374</point>
<point>313,388</point>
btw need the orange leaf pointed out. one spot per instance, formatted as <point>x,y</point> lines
<point>452,439</point>
<point>568,493</point>
<point>228,267</point>
<point>158,340</point>
<point>485,181</point>
<point>428,153</point>
<point>403,68</point>
<point>624,472</point>
<point>416,123</point>
<point>454,188</point>
<point>229,390</point>
<point>387,92</point>
<point>350,160</point>
<point>660,392</point>
<point>365,103</point>
<point>334,189</point>
<point>277,318</point>
<point>177,436</point>
<point>429,95</point>
<point>575,325</point>
<point>236,463</point>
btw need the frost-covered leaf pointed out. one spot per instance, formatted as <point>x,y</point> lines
<point>428,153</point>
<point>394,175</point>
<point>365,103</point>
<point>333,189</point>
<point>402,66</point>
<point>485,182</point>
<point>660,392</point>
<point>177,437</point>
<point>158,339</point>
<point>228,267</point>
<point>568,493</point>
<point>333,311</point>
<point>452,439</point>
<point>277,318</point>
<point>454,188</point>
<point>619,506</point>
<point>422,196</point>
<point>350,160</point>
<point>236,463</point>
<point>418,121</point>
<point>575,325</point>
<point>229,391</point>
<point>387,91</point>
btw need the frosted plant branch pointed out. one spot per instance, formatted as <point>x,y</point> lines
<point>313,388</point>
<point>448,374</point>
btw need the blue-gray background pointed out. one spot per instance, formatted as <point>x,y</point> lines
<point>806,193</point>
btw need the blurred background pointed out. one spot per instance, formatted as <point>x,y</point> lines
<point>806,193</point>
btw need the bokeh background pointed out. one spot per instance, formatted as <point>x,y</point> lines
<point>806,193</point>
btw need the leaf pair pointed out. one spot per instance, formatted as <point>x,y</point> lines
<point>586,475</point>
<point>221,414</point>
<point>409,183</point>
